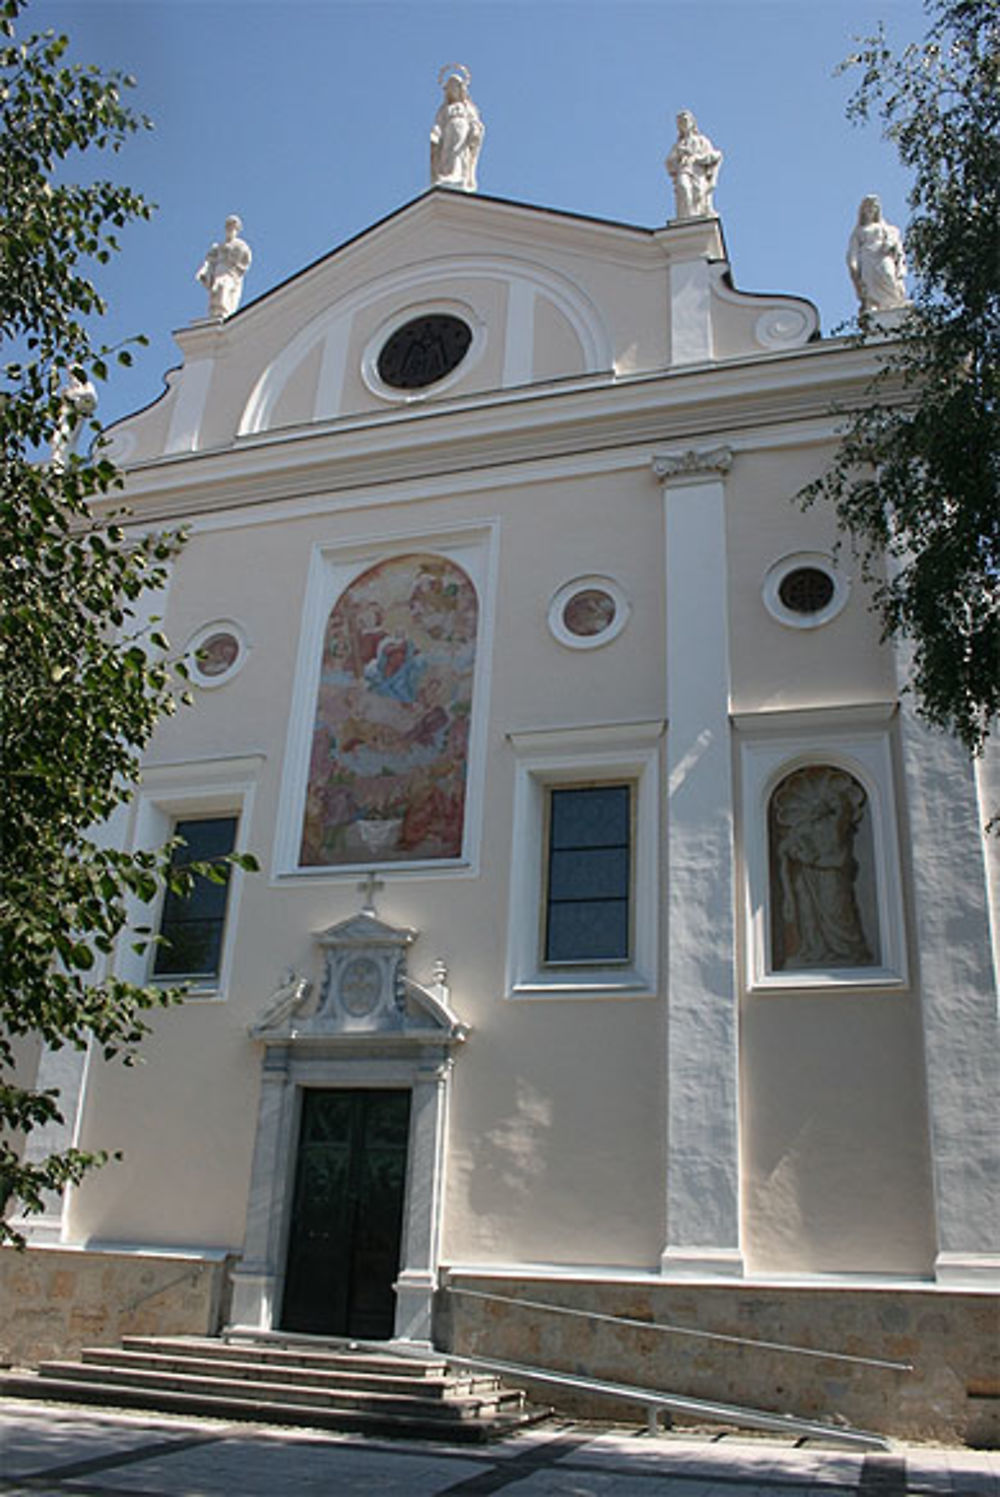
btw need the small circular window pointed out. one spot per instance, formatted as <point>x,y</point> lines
<point>215,654</point>
<point>423,351</point>
<point>588,611</point>
<point>805,590</point>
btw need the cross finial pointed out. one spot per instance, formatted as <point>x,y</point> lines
<point>368,889</point>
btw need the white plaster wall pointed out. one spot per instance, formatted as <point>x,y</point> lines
<point>836,1173</point>
<point>774,666</point>
<point>554,1074</point>
<point>556,1139</point>
<point>183,1119</point>
<point>557,1134</point>
<point>836,1163</point>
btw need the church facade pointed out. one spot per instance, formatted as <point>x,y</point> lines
<point>620,930</point>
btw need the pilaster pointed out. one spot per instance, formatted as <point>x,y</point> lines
<point>63,1071</point>
<point>418,1274</point>
<point>703,1198</point>
<point>692,247</point>
<point>255,1280</point>
<point>958,989</point>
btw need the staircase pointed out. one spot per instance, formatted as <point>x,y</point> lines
<point>299,1380</point>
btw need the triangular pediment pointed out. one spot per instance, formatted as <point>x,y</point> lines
<point>541,298</point>
<point>366,929</point>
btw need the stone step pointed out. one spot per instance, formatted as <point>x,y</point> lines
<point>411,1425</point>
<point>337,1356</point>
<point>270,1389</point>
<point>293,1379</point>
<point>402,1381</point>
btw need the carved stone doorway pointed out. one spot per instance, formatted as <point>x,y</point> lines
<point>347,1213</point>
<point>371,1030</point>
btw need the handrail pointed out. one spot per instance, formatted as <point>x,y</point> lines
<point>677,1330</point>
<point>693,1408</point>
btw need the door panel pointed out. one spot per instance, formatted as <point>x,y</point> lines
<point>347,1214</point>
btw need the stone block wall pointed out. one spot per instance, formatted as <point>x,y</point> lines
<point>950,1338</point>
<point>54,1301</point>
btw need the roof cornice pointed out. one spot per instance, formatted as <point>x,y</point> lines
<point>808,386</point>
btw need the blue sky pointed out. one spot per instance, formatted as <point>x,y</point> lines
<point>309,118</point>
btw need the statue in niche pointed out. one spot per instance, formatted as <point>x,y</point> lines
<point>815,816</point>
<point>223,269</point>
<point>457,132</point>
<point>693,167</point>
<point>77,401</point>
<point>876,260</point>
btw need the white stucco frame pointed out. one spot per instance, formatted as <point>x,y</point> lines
<point>331,570</point>
<point>567,756</point>
<point>857,740</point>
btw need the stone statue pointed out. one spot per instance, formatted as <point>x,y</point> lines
<point>693,166</point>
<point>77,401</point>
<point>816,813</point>
<point>876,260</point>
<point>288,997</point>
<point>223,270</point>
<point>457,133</point>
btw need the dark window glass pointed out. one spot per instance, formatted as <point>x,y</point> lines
<point>806,590</point>
<point>589,874</point>
<point>193,928</point>
<point>423,351</point>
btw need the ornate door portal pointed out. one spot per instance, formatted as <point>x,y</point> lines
<point>347,1213</point>
<point>356,1241</point>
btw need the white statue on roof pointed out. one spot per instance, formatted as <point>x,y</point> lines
<point>693,166</point>
<point>457,132</point>
<point>876,260</point>
<point>77,401</point>
<point>223,269</point>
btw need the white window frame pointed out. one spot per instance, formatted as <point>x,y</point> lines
<point>183,792</point>
<point>332,570</point>
<point>773,745</point>
<point>614,754</point>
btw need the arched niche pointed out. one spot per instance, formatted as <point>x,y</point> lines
<point>822,873</point>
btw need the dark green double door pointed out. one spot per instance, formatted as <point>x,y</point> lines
<point>347,1215</point>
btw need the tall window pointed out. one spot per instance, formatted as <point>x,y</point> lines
<point>192,928</point>
<point>589,874</point>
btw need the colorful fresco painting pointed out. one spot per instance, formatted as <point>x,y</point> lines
<point>387,774</point>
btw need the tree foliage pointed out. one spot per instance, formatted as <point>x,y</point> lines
<point>916,475</point>
<point>84,685</point>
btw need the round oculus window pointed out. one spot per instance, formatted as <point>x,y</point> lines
<point>423,351</point>
<point>589,612</point>
<point>218,654</point>
<point>806,590</point>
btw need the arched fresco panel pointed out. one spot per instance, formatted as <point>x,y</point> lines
<point>389,762</point>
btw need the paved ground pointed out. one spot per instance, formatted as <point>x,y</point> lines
<point>45,1448</point>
